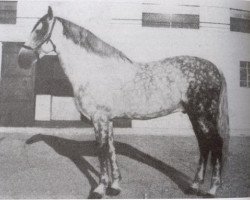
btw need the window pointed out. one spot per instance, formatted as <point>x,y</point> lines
<point>170,20</point>
<point>8,12</point>
<point>244,74</point>
<point>16,89</point>
<point>240,20</point>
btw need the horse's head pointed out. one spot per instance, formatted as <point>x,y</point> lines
<point>39,42</point>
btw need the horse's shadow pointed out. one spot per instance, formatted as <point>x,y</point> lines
<point>76,150</point>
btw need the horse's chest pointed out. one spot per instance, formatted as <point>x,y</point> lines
<point>91,98</point>
<point>100,92</point>
<point>94,81</point>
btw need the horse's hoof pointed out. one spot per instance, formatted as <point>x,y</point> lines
<point>114,189</point>
<point>208,195</point>
<point>99,192</point>
<point>213,190</point>
<point>202,194</point>
<point>191,191</point>
<point>95,195</point>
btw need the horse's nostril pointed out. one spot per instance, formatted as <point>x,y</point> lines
<point>25,58</point>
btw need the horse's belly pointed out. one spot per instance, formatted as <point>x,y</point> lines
<point>145,103</point>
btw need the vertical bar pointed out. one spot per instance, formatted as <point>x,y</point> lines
<point>50,116</point>
<point>1,51</point>
<point>43,108</point>
<point>248,73</point>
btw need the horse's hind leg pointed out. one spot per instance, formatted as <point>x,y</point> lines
<point>201,170</point>
<point>115,172</point>
<point>213,142</point>
<point>206,131</point>
<point>216,160</point>
<point>200,132</point>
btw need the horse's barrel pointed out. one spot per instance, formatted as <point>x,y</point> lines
<point>26,58</point>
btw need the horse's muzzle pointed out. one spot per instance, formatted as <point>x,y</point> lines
<point>26,58</point>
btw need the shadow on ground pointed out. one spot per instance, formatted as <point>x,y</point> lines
<point>76,150</point>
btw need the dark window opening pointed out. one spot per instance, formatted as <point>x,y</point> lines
<point>240,20</point>
<point>170,20</point>
<point>244,74</point>
<point>8,11</point>
<point>51,79</point>
<point>17,106</point>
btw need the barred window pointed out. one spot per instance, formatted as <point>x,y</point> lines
<point>170,20</point>
<point>240,20</point>
<point>245,74</point>
<point>8,10</point>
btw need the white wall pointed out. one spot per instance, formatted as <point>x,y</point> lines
<point>213,42</point>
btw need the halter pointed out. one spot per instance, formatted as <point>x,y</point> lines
<point>48,39</point>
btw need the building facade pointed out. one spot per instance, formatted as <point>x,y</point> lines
<point>145,30</point>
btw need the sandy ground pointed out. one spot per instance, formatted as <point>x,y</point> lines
<point>151,166</point>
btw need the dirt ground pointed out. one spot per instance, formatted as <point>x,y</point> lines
<point>151,166</point>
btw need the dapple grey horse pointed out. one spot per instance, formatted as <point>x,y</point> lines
<point>108,85</point>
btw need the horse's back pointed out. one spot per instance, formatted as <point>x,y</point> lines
<point>194,68</point>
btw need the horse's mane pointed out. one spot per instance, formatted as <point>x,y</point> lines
<point>86,39</point>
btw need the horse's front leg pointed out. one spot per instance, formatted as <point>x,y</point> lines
<point>116,176</point>
<point>101,126</point>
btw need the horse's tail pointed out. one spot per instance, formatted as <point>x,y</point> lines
<point>223,120</point>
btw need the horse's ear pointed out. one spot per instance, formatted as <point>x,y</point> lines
<point>50,13</point>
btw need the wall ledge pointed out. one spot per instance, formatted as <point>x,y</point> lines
<point>118,131</point>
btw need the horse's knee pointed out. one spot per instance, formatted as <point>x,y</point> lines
<point>101,135</point>
<point>100,123</point>
<point>102,141</point>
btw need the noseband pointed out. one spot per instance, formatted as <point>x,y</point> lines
<point>48,39</point>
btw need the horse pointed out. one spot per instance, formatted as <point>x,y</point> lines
<point>109,85</point>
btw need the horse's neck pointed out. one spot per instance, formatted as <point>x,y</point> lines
<point>71,56</point>
<point>82,66</point>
